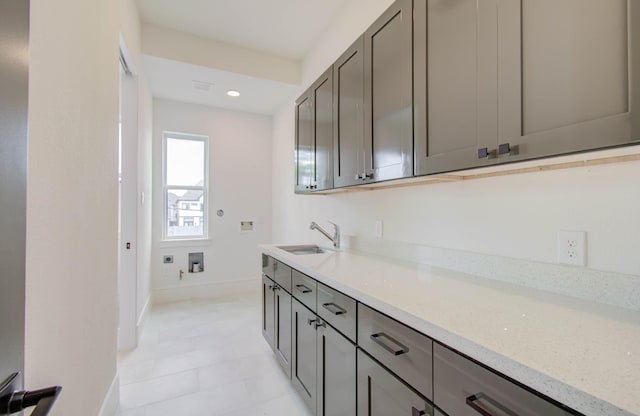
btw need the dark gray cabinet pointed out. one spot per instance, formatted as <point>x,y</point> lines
<point>305,148</point>
<point>388,118</point>
<point>314,136</point>
<point>304,366</point>
<point>268,310</point>
<point>380,393</point>
<point>406,352</point>
<point>336,373</point>
<point>276,321</point>
<point>561,86</point>
<point>324,365</point>
<point>282,333</point>
<point>464,388</point>
<point>455,85</point>
<point>350,160</point>
<point>505,81</point>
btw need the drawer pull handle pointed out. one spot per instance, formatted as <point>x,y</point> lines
<point>471,402</point>
<point>397,351</point>
<point>416,412</point>
<point>334,309</point>
<point>303,288</point>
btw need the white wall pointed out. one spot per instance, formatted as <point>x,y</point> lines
<point>130,28</point>
<point>240,180</point>
<point>71,273</point>
<point>514,216</point>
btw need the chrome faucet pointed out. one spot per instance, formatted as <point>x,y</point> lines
<point>335,239</point>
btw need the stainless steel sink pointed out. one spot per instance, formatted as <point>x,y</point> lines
<point>305,249</point>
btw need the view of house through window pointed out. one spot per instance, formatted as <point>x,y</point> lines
<point>185,185</point>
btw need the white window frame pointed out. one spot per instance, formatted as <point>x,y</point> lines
<point>166,188</point>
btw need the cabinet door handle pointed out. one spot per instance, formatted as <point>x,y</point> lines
<point>311,321</point>
<point>395,351</point>
<point>366,176</point>
<point>334,309</point>
<point>471,402</point>
<point>416,412</point>
<point>504,149</point>
<point>303,288</point>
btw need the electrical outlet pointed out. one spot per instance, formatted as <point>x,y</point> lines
<point>378,230</point>
<point>572,248</point>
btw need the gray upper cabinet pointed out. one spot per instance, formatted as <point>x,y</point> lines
<point>503,81</point>
<point>455,84</point>
<point>314,136</point>
<point>388,127</point>
<point>348,106</point>
<point>567,76</point>
<point>305,149</point>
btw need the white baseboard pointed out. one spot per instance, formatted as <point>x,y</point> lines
<point>144,315</point>
<point>112,399</point>
<point>206,290</point>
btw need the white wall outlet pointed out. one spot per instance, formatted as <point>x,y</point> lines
<point>378,230</point>
<point>572,248</point>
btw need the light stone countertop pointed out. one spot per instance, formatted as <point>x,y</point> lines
<point>583,354</point>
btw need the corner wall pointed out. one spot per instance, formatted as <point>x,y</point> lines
<point>72,212</point>
<point>514,216</point>
<point>239,183</point>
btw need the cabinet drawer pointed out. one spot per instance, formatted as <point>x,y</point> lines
<point>268,266</point>
<point>303,288</point>
<point>403,350</point>
<point>337,309</point>
<point>464,388</point>
<point>381,393</point>
<point>282,275</point>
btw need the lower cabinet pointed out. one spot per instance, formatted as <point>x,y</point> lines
<point>303,371</point>
<point>268,310</point>
<point>380,393</point>
<point>336,373</point>
<point>276,321</point>
<point>324,365</point>
<point>464,388</point>
<point>393,370</point>
<point>282,340</point>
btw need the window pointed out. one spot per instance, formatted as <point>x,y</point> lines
<point>185,186</point>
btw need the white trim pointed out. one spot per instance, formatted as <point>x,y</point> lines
<point>142,319</point>
<point>112,399</point>
<point>206,290</point>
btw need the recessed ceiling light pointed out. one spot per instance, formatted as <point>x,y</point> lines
<point>233,93</point>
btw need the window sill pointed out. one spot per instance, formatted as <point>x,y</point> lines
<point>190,242</point>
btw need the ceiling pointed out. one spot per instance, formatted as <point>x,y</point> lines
<point>283,28</point>
<point>174,80</point>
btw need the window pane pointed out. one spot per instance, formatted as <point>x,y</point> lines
<point>185,213</point>
<point>185,162</point>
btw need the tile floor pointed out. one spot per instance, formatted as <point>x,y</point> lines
<point>205,357</point>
